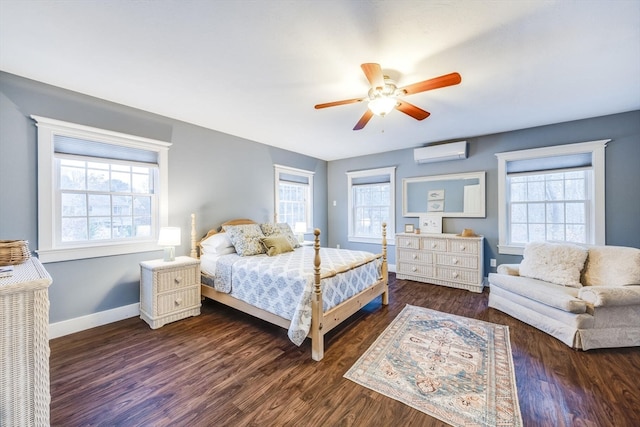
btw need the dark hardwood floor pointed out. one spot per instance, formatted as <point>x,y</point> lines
<point>224,368</point>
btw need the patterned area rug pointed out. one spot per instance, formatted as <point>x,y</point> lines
<point>456,369</point>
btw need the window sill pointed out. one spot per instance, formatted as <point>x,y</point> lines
<point>391,240</point>
<point>70,254</point>
<point>510,250</point>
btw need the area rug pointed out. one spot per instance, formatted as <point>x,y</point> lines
<point>453,368</point>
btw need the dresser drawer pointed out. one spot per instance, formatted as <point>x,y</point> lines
<point>430,244</point>
<point>415,269</point>
<point>457,275</point>
<point>455,260</point>
<point>178,300</point>
<point>412,242</point>
<point>177,278</point>
<point>463,246</point>
<point>415,256</point>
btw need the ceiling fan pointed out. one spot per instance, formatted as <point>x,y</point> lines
<point>385,95</point>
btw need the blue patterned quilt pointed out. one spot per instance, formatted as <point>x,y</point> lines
<point>283,284</point>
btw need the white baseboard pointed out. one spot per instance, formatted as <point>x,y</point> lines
<point>66,327</point>
<point>89,321</point>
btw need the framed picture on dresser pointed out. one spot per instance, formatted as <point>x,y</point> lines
<point>431,223</point>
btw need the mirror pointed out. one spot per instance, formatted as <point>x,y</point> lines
<point>455,195</point>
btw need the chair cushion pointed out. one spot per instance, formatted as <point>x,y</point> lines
<point>557,296</point>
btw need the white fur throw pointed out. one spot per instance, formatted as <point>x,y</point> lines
<point>556,263</point>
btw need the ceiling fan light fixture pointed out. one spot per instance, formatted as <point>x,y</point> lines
<point>382,105</point>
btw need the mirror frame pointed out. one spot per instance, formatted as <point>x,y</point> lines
<point>480,175</point>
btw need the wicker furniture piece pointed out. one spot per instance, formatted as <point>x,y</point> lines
<point>441,259</point>
<point>24,346</point>
<point>169,290</point>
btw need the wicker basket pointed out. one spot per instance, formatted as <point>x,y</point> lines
<point>14,252</point>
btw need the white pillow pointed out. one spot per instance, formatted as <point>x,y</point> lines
<point>612,266</point>
<point>556,263</point>
<point>218,243</point>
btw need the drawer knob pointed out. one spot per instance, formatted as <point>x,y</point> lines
<point>455,260</point>
<point>462,248</point>
<point>178,301</point>
<point>408,243</point>
<point>415,256</point>
<point>433,245</point>
<point>414,269</point>
<point>454,275</point>
<point>178,279</point>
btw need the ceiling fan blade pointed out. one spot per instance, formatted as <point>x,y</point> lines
<point>334,103</point>
<point>363,120</point>
<point>374,74</point>
<point>435,83</point>
<point>412,110</point>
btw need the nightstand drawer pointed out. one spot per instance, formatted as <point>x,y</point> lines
<point>176,278</point>
<point>178,300</point>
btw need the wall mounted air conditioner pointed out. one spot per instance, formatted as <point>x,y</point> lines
<point>441,152</point>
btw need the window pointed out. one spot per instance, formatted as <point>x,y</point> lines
<point>100,193</point>
<point>371,201</point>
<point>553,194</point>
<point>294,198</point>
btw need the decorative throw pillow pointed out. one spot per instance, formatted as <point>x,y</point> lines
<point>552,262</point>
<point>246,238</point>
<point>612,266</point>
<point>271,229</point>
<point>276,244</point>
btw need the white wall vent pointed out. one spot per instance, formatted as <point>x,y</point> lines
<point>441,152</point>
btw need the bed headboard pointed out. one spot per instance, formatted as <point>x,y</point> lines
<point>195,243</point>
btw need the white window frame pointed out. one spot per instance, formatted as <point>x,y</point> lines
<point>596,208</point>
<point>391,223</point>
<point>279,169</point>
<point>48,218</point>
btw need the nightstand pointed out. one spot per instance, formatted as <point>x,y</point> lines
<point>169,291</point>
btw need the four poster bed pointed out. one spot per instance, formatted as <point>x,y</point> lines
<point>262,270</point>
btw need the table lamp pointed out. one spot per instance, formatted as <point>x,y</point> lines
<point>169,238</point>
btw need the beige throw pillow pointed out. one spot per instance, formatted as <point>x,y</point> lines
<point>277,244</point>
<point>552,262</point>
<point>612,266</point>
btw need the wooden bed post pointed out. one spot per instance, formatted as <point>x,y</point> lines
<point>194,252</point>
<point>317,312</point>
<point>385,273</point>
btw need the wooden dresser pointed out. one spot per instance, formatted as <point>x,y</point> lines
<point>441,259</point>
<point>24,346</point>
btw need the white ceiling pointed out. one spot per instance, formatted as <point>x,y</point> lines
<point>255,69</point>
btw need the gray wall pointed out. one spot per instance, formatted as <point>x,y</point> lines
<point>214,175</point>
<point>622,179</point>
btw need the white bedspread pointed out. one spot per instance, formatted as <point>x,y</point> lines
<point>283,284</point>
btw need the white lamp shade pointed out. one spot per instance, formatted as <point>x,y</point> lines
<point>300,227</point>
<point>169,236</point>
